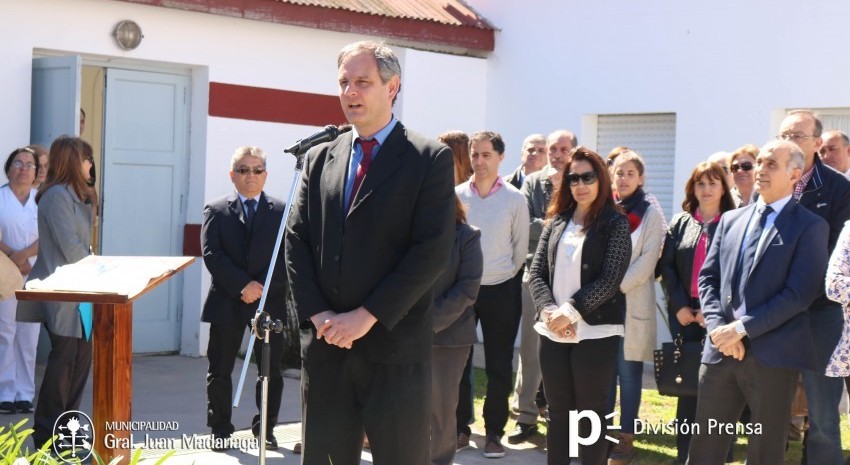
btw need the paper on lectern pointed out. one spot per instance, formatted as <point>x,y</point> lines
<point>107,274</point>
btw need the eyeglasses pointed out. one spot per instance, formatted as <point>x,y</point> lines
<point>586,178</point>
<point>89,159</point>
<point>18,164</point>
<point>244,170</point>
<point>794,137</point>
<point>744,165</point>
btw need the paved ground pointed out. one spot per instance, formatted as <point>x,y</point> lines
<point>172,389</point>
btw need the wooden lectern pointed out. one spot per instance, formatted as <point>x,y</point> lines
<point>112,348</point>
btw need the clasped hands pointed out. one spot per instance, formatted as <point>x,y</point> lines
<point>558,323</point>
<point>21,260</point>
<point>728,341</point>
<point>342,329</point>
<point>252,292</point>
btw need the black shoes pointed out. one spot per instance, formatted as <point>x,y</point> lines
<point>19,406</point>
<point>23,406</point>
<point>221,442</point>
<point>521,433</point>
<point>271,441</point>
<point>8,407</point>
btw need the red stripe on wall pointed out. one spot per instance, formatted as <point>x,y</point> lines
<point>192,240</point>
<point>274,105</point>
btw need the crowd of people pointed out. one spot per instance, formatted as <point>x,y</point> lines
<point>46,221</point>
<point>745,283</point>
<point>391,272</point>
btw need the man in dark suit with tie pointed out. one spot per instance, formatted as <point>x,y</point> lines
<point>765,266</point>
<point>371,229</point>
<point>238,237</point>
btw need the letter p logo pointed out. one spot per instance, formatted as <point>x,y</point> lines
<point>595,430</point>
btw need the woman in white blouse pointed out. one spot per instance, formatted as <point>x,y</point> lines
<point>19,232</point>
<point>575,278</point>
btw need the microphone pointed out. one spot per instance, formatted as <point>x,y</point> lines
<point>329,133</point>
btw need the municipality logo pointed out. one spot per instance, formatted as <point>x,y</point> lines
<point>73,436</point>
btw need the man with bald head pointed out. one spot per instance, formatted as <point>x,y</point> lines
<point>532,157</point>
<point>827,194</point>
<point>758,327</point>
<point>537,188</point>
<point>835,150</point>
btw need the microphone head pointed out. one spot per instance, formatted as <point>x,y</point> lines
<point>332,131</point>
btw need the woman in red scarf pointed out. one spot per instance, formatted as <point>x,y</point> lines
<point>646,226</point>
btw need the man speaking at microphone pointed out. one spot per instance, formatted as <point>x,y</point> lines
<point>370,231</point>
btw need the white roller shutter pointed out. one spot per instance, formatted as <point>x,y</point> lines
<point>653,136</point>
<point>835,118</point>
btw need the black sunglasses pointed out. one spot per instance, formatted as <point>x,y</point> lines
<point>744,165</point>
<point>587,178</point>
<point>245,170</point>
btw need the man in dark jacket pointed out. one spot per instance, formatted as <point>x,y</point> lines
<point>532,158</point>
<point>825,192</point>
<point>238,238</point>
<point>371,229</point>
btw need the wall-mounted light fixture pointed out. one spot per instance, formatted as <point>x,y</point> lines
<point>128,34</point>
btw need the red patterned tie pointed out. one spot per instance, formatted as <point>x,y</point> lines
<point>367,146</point>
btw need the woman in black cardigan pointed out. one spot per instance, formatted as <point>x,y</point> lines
<point>581,259</point>
<point>706,198</point>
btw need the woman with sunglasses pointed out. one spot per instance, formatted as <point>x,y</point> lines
<point>636,347</point>
<point>575,279</point>
<point>688,239</point>
<point>19,241</point>
<point>743,175</point>
<point>64,231</point>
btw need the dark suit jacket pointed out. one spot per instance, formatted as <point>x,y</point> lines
<point>828,195</point>
<point>515,178</point>
<point>605,256</point>
<point>385,254</point>
<point>457,288</point>
<point>234,258</point>
<point>786,277</point>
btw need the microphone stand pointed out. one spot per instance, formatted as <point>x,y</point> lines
<point>262,324</point>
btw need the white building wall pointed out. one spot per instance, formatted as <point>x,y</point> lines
<point>451,87</point>
<point>217,49</point>
<point>726,69</point>
<point>723,67</point>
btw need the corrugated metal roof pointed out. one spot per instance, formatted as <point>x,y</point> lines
<point>451,12</point>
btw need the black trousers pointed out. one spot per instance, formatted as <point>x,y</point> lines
<point>224,345</point>
<point>686,408</point>
<point>724,389</point>
<point>343,398</point>
<point>499,310</point>
<point>577,377</point>
<point>65,376</point>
